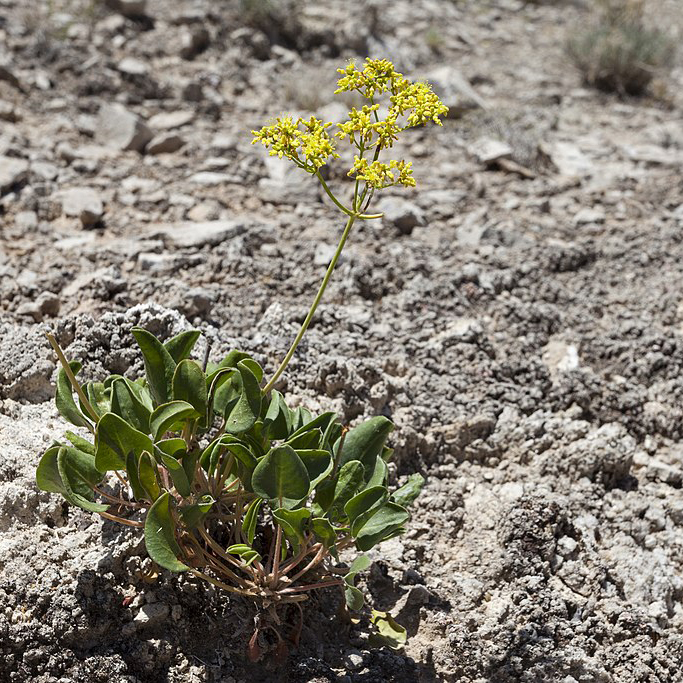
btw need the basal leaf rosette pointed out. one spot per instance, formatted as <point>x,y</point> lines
<point>226,480</point>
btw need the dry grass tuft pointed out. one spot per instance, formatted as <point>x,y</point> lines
<point>620,52</point>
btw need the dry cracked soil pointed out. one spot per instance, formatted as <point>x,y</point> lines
<point>519,316</point>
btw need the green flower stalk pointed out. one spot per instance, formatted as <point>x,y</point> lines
<point>309,146</point>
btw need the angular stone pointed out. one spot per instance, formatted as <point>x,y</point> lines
<point>171,119</point>
<point>165,143</point>
<point>189,234</point>
<point>132,67</point>
<point>12,172</point>
<point>121,129</point>
<point>8,112</point>
<point>401,213</point>
<point>83,202</point>
<point>152,615</point>
<point>488,150</point>
<point>455,91</point>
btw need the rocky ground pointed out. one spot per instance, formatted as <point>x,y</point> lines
<point>519,316</point>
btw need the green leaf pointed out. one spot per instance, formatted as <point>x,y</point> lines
<point>248,407</point>
<point>125,404</point>
<point>167,414</point>
<point>114,439</point>
<point>178,474</point>
<point>281,476</point>
<point>354,598</point>
<point>250,519</point>
<point>147,474</point>
<point>254,367</point>
<point>159,364</point>
<point>81,443</point>
<point>306,440</point>
<point>180,346</point>
<point>139,388</point>
<point>215,381</point>
<point>407,493</point>
<point>229,391</point>
<point>64,398</point>
<point>349,481</point>
<point>189,385</point>
<point>364,504</point>
<point>292,523</point>
<point>378,476</point>
<point>134,477</point>
<point>318,465</point>
<point>98,396</point>
<point>300,417</point>
<point>389,632</point>
<point>388,519</point>
<point>160,535</point>
<point>324,531</point>
<point>332,433</point>
<point>365,442</point>
<point>247,553</point>
<point>78,474</point>
<point>47,472</point>
<point>193,515</point>
<point>171,446</point>
<point>321,422</point>
<point>278,419</point>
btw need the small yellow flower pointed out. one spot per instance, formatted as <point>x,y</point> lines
<point>379,175</point>
<point>422,103</point>
<point>309,148</point>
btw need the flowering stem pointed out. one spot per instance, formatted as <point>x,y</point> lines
<point>314,306</point>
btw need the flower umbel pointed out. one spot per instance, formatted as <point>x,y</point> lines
<point>422,103</point>
<point>370,129</point>
<point>379,175</point>
<point>306,143</point>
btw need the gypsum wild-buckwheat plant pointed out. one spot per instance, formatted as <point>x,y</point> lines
<point>228,483</point>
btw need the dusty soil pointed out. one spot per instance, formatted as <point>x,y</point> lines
<point>524,332</point>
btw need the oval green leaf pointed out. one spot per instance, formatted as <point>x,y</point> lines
<point>160,535</point>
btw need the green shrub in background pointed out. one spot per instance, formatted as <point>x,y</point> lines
<point>619,52</point>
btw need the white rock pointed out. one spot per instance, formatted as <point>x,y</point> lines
<point>170,120</point>
<point>83,202</point>
<point>589,215</point>
<point>189,234</point>
<point>559,356</point>
<point>401,213</point>
<point>487,150</point>
<point>12,171</point>
<point>121,129</point>
<point>132,66</point>
<point>455,91</point>
<point>152,615</point>
<point>568,158</point>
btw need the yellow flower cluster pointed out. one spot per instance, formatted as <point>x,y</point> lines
<point>309,146</point>
<point>421,101</point>
<point>377,76</point>
<point>360,122</point>
<point>306,143</point>
<point>379,175</point>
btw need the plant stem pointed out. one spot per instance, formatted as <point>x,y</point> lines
<point>72,378</point>
<point>314,306</point>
